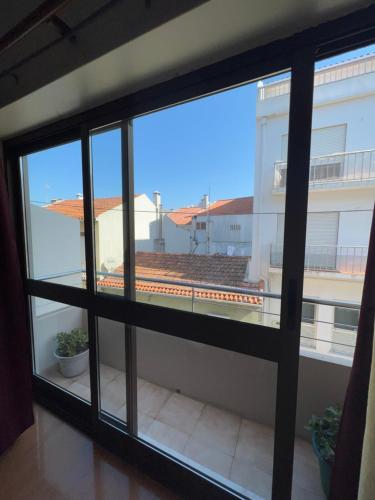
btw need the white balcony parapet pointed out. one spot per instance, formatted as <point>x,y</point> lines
<point>342,259</point>
<point>353,166</point>
<point>337,72</point>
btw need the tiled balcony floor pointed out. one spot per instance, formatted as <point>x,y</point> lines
<point>234,450</point>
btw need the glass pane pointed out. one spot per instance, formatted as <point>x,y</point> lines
<point>210,177</point>
<point>53,200</point>
<point>61,353</point>
<point>111,339</point>
<point>108,210</point>
<point>341,199</point>
<point>212,409</point>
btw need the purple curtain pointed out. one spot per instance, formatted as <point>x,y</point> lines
<point>16,413</point>
<point>346,471</point>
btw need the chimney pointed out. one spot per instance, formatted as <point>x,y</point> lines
<point>205,203</point>
<point>79,196</point>
<point>157,199</point>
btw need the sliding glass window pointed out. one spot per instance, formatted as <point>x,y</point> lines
<point>53,209</point>
<point>208,204</point>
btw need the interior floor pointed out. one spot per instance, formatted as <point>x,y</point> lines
<point>54,461</point>
<point>233,450</point>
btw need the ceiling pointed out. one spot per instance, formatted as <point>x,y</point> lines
<point>141,42</point>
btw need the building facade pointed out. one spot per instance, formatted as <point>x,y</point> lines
<point>341,198</point>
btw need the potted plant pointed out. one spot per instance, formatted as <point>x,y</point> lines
<point>72,352</point>
<point>323,436</point>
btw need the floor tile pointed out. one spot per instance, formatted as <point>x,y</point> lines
<point>211,458</point>
<point>218,429</point>
<point>80,390</point>
<point>181,412</point>
<point>113,395</point>
<point>107,373</point>
<point>54,375</point>
<point>252,478</point>
<point>167,436</point>
<point>306,476</point>
<point>151,398</point>
<point>144,423</point>
<point>120,413</point>
<point>299,493</point>
<point>255,445</point>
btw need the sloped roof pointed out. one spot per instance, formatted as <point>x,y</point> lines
<point>213,269</point>
<point>195,269</point>
<point>184,216</point>
<point>231,206</point>
<point>74,208</point>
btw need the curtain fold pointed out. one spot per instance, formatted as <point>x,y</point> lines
<point>346,470</point>
<point>15,357</point>
<point>367,476</point>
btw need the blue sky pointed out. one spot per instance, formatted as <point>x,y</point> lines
<point>206,146</point>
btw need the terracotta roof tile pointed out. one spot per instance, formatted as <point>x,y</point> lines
<point>213,269</point>
<point>184,216</point>
<point>232,206</point>
<point>74,208</point>
<point>183,291</point>
<point>195,269</point>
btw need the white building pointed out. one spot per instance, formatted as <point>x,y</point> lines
<point>341,196</point>
<point>108,214</point>
<point>223,227</point>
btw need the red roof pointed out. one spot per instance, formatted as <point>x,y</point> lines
<point>183,291</point>
<point>232,206</point>
<point>74,208</point>
<point>183,216</point>
<point>195,269</point>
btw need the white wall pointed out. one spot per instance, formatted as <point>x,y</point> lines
<point>219,238</point>
<point>55,245</point>
<point>145,223</point>
<point>178,239</point>
<point>109,236</point>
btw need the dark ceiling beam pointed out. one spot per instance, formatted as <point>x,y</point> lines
<point>38,16</point>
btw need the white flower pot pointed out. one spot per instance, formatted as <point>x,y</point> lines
<point>73,365</point>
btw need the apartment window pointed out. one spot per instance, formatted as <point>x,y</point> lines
<point>308,313</point>
<point>164,402</point>
<point>189,273</point>
<point>346,319</point>
<point>54,213</point>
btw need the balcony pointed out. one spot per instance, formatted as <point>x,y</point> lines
<point>340,259</point>
<point>210,408</point>
<point>333,171</point>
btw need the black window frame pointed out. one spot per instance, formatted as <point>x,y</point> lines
<point>299,53</point>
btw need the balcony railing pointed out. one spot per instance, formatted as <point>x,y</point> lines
<point>342,259</point>
<point>329,169</point>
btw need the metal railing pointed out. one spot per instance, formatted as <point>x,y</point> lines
<point>339,342</point>
<point>338,167</point>
<point>342,259</point>
<point>204,286</point>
